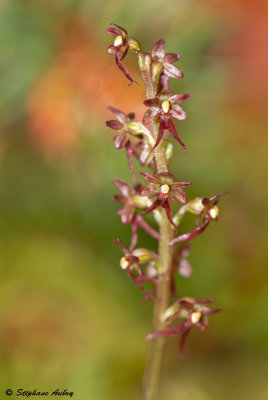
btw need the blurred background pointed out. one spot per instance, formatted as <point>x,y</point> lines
<point>69,317</point>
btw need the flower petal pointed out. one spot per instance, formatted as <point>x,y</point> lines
<point>165,332</point>
<point>120,140</point>
<point>172,72</point>
<point>205,301</point>
<point>187,304</point>
<point>123,68</point>
<point>112,49</point>
<point>202,324</point>
<point>163,84</point>
<point>150,115</point>
<point>126,214</point>
<point>217,196</point>
<point>178,98</point>
<point>134,238</point>
<point>151,178</point>
<point>121,30</point>
<point>175,134</point>
<point>161,131</point>
<point>186,327</point>
<point>178,112</point>
<point>166,177</point>
<point>131,115</point>
<point>113,124</point>
<point>155,204</point>
<point>155,102</point>
<point>180,194</point>
<point>122,247</point>
<point>112,31</point>
<point>148,191</point>
<point>208,310</point>
<point>166,206</point>
<point>120,115</point>
<point>124,187</point>
<point>182,184</point>
<point>170,58</point>
<point>158,49</point>
<point>146,156</point>
<point>200,216</point>
<point>120,198</point>
<point>129,158</point>
<point>134,149</point>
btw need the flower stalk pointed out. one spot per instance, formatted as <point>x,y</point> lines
<point>155,359</point>
<point>145,141</point>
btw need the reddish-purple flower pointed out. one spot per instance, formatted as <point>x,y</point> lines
<point>208,211</point>
<point>120,47</point>
<point>165,107</point>
<point>193,312</point>
<point>123,138</point>
<point>131,262</point>
<point>162,65</point>
<point>164,187</point>
<point>131,200</point>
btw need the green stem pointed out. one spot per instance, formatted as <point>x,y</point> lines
<point>154,364</point>
<point>153,369</point>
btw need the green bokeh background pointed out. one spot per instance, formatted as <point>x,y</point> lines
<point>69,317</point>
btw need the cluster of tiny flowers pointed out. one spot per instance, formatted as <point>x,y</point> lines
<point>141,141</point>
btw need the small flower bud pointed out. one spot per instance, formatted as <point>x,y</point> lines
<point>141,61</point>
<point>169,150</point>
<point>134,45</point>
<point>171,311</point>
<point>143,255</point>
<point>148,61</point>
<point>141,201</point>
<point>195,317</point>
<point>195,206</point>
<point>135,127</point>
<point>156,70</point>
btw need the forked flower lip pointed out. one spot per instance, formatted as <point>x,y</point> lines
<point>193,313</point>
<point>209,205</point>
<point>132,261</point>
<point>164,187</point>
<point>120,48</point>
<point>165,108</point>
